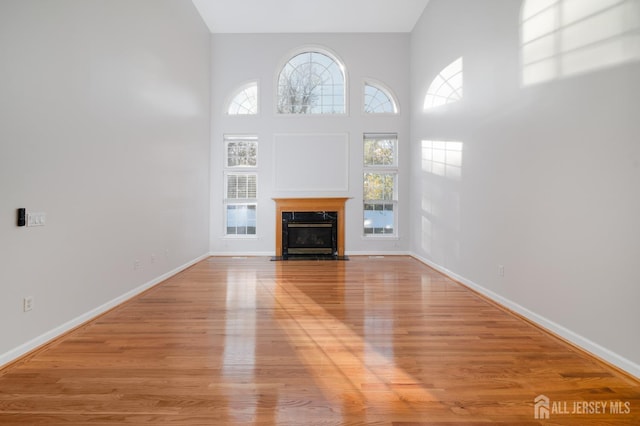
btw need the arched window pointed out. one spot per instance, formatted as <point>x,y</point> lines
<point>378,99</point>
<point>311,82</point>
<point>446,87</point>
<point>244,101</point>
<point>560,38</point>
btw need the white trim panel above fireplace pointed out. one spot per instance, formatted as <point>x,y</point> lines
<point>306,162</point>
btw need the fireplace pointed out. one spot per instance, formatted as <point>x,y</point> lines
<point>309,233</point>
<point>310,227</point>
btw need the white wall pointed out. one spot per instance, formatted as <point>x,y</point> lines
<point>549,182</point>
<point>240,58</point>
<point>104,125</point>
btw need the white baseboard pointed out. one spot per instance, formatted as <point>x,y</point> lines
<point>242,254</point>
<point>378,253</point>
<point>580,341</point>
<point>271,254</point>
<point>45,338</point>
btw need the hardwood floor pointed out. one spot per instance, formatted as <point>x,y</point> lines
<point>366,341</point>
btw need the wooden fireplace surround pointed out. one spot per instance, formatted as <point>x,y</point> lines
<point>333,204</point>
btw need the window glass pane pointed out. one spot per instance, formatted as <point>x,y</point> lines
<point>241,186</point>
<point>379,186</point>
<point>378,219</point>
<point>379,183</point>
<point>380,151</point>
<point>242,153</point>
<point>378,101</point>
<point>241,219</point>
<point>311,83</point>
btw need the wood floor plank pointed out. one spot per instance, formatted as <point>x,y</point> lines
<point>384,341</point>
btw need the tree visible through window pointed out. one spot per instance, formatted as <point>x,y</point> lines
<point>311,83</point>
<point>241,152</point>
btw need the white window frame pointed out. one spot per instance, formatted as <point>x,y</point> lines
<point>323,51</point>
<point>386,169</point>
<point>245,169</point>
<point>384,89</point>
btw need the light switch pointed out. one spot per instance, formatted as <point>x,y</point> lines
<point>36,218</point>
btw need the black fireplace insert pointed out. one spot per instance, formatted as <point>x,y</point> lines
<point>307,234</point>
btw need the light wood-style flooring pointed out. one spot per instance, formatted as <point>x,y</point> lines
<point>369,341</point>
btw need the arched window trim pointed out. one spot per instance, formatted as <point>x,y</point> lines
<point>237,92</point>
<point>306,49</point>
<point>384,89</point>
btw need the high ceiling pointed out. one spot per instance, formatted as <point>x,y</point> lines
<point>310,16</point>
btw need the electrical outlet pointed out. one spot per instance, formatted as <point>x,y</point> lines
<point>136,265</point>
<point>501,270</point>
<point>27,303</point>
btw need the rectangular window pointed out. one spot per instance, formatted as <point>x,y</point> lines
<point>380,150</point>
<point>241,219</point>
<point>242,151</point>
<point>240,185</point>
<point>378,219</point>
<point>380,184</point>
